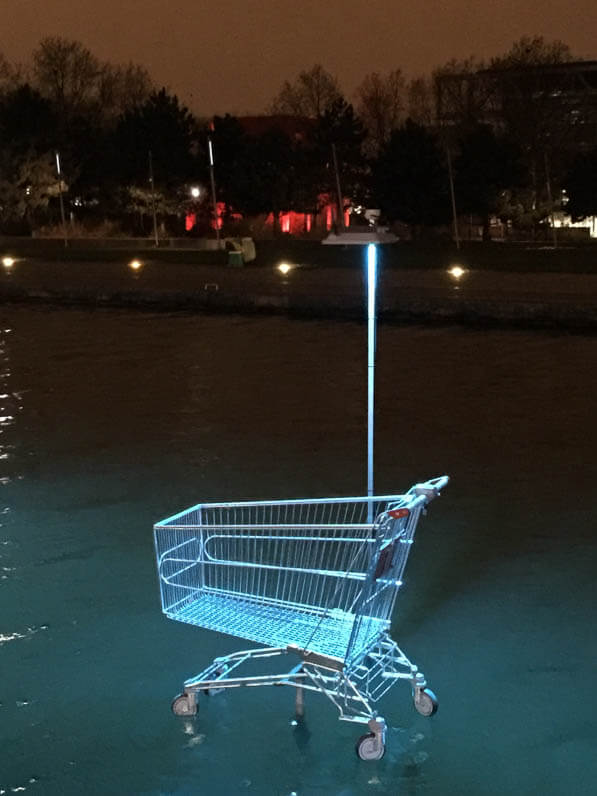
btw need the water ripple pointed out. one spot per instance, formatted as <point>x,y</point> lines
<point>5,638</point>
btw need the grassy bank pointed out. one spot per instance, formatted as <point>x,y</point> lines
<point>106,251</point>
<point>513,257</point>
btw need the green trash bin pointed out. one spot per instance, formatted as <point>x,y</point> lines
<point>235,259</point>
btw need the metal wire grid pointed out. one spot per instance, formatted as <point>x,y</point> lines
<point>379,596</point>
<point>277,572</point>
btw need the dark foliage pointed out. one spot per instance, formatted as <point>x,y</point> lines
<point>581,186</point>
<point>28,122</point>
<point>410,180</point>
<point>486,166</point>
<point>162,126</point>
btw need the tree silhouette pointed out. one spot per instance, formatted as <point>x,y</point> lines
<point>66,73</point>
<point>341,127</point>
<point>409,179</point>
<point>580,186</point>
<point>381,105</point>
<point>162,126</point>
<point>27,121</point>
<point>486,166</point>
<point>310,94</point>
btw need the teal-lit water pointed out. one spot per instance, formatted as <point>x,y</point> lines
<point>112,420</point>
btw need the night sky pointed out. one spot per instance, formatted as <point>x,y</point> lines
<point>233,55</point>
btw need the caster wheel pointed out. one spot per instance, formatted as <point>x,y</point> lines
<point>426,702</point>
<point>368,748</point>
<point>183,706</point>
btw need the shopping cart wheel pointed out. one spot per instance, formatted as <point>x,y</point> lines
<point>184,705</point>
<point>426,702</point>
<point>368,747</point>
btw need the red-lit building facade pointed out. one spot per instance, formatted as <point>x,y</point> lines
<point>289,222</point>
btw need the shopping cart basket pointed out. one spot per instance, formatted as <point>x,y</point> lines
<point>313,579</point>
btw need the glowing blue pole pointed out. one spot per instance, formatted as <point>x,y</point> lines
<point>371,319</point>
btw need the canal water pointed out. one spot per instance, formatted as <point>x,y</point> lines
<point>112,420</point>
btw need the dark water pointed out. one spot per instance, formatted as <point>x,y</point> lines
<point>110,421</point>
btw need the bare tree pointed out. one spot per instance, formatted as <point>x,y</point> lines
<point>380,104</point>
<point>69,75</point>
<point>66,72</point>
<point>9,75</point>
<point>420,101</point>
<point>309,95</point>
<point>533,51</point>
<point>461,98</point>
<point>120,88</point>
<point>135,85</point>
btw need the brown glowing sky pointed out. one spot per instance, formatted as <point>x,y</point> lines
<point>232,55</point>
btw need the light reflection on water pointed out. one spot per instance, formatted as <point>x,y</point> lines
<point>8,403</point>
<point>119,420</point>
<point>7,419</point>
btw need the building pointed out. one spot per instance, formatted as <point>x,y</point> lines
<point>560,100</point>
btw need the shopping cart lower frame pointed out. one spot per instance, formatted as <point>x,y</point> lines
<point>314,580</point>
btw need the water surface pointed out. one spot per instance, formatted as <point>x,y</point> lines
<point>110,421</point>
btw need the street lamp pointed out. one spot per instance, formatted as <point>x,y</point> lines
<point>195,192</point>
<point>213,189</point>
<point>371,345</point>
<point>59,174</point>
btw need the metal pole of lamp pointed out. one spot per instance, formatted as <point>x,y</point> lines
<point>213,189</point>
<point>371,345</point>
<point>59,173</point>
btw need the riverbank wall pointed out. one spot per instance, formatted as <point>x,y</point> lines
<point>548,300</point>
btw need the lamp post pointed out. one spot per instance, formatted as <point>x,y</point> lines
<point>59,173</point>
<point>338,191</point>
<point>453,198</point>
<point>373,238</point>
<point>213,188</point>
<point>153,209</point>
<point>371,345</point>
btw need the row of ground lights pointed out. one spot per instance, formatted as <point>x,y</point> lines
<point>8,262</point>
<point>456,271</point>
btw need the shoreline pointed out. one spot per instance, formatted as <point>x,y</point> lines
<point>412,307</point>
<point>500,256</point>
<point>321,284</point>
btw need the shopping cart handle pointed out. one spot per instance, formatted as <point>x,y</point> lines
<point>431,489</point>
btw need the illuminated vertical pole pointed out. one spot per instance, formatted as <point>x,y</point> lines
<point>371,342</point>
<point>453,198</point>
<point>338,191</point>
<point>153,210</point>
<point>59,173</point>
<point>213,188</point>
<point>554,232</point>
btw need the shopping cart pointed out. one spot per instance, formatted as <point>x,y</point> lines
<point>315,580</point>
